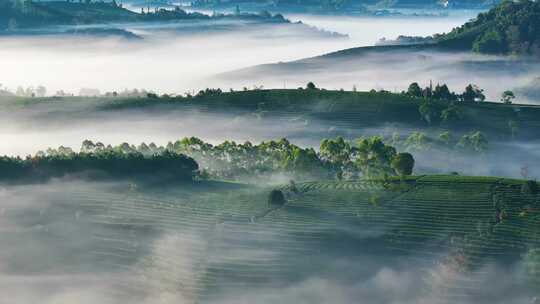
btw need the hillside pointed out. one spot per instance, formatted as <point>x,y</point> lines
<point>349,109</point>
<point>449,237</point>
<point>351,7</point>
<point>511,27</point>
<point>28,14</point>
<point>461,221</point>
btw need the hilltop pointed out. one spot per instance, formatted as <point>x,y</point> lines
<point>28,14</point>
<point>511,27</point>
<point>348,108</point>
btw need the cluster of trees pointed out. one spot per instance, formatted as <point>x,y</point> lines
<point>510,27</point>
<point>473,142</point>
<point>39,91</point>
<point>472,93</point>
<point>24,13</point>
<point>337,158</point>
<point>370,157</point>
<point>98,161</point>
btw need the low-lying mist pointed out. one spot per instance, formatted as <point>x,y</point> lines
<point>68,122</point>
<point>72,241</point>
<point>395,69</point>
<point>180,57</point>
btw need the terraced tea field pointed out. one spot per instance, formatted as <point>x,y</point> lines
<point>445,237</point>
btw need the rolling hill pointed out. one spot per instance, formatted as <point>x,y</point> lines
<point>512,27</point>
<point>347,108</point>
<point>449,238</point>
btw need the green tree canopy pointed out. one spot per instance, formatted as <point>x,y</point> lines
<point>403,164</point>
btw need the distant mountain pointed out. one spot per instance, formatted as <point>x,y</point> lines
<point>28,14</point>
<point>343,6</point>
<point>510,27</point>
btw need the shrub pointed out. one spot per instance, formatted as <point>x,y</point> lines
<point>276,198</point>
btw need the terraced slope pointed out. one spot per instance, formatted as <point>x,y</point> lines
<point>462,223</point>
<point>448,238</point>
<point>342,109</point>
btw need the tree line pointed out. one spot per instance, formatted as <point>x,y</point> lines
<point>191,157</point>
<point>103,163</point>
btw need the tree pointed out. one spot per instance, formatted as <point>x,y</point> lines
<point>507,97</point>
<point>473,93</point>
<point>475,141</point>
<point>451,113</point>
<point>414,90</point>
<point>490,43</point>
<point>311,86</point>
<point>417,141</point>
<point>403,164</point>
<point>443,92</point>
<point>445,138</point>
<point>428,111</point>
<point>373,157</point>
<point>276,198</point>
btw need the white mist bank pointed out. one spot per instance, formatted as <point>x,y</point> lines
<point>395,70</point>
<point>180,58</point>
<point>83,242</point>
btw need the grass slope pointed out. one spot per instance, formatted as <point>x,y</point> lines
<point>342,108</point>
<point>209,238</point>
<point>452,219</point>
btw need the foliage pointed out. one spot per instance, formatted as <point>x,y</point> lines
<point>489,43</point>
<point>452,113</point>
<point>417,141</point>
<point>428,111</point>
<point>442,92</point>
<point>228,160</point>
<point>311,86</point>
<point>22,14</point>
<point>374,158</point>
<point>510,27</point>
<point>97,160</point>
<point>473,93</point>
<point>338,153</point>
<point>337,158</point>
<point>276,198</point>
<point>507,97</point>
<point>414,90</point>
<point>475,141</point>
<point>403,164</point>
<point>446,138</point>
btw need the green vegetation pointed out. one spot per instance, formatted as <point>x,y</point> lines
<point>510,27</point>
<point>99,161</point>
<point>471,219</point>
<point>24,14</point>
<point>276,198</point>
<point>370,157</point>
<point>360,109</point>
<point>403,164</point>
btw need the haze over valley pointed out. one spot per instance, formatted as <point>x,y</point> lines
<point>358,151</point>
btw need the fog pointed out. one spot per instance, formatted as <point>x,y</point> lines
<point>180,57</point>
<point>131,241</point>
<point>84,242</point>
<point>394,70</point>
<point>366,31</point>
<point>28,129</point>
